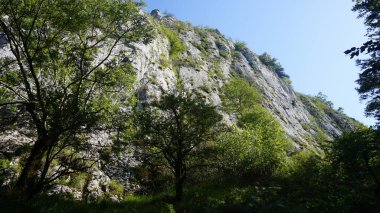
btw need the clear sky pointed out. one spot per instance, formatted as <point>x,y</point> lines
<point>308,37</point>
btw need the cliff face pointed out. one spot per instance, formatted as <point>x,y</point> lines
<point>210,60</point>
<point>200,60</point>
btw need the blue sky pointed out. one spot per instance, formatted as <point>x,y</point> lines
<point>308,37</point>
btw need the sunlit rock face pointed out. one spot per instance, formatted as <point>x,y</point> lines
<point>205,71</point>
<point>209,61</point>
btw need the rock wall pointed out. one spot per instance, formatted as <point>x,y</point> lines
<point>209,61</point>
<point>205,71</point>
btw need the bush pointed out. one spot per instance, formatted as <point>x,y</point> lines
<point>4,164</point>
<point>231,197</point>
<point>205,44</point>
<point>239,97</point>
<point>256,149</point>
<point>273,65</point>
<point>240,46</point>
<point>176,45</point>
<point>77,180</point>
<point>288,81</point>
<point>224,54</point>
<point>182,27</point>
<point>189,61</point>
<point>257,145</point>
<point>164,62</point>
<point>222,49</point>
<point>116,188</point>
<point>216,71</point>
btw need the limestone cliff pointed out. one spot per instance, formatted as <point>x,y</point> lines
<point>205,61</point>
<point>210,60</point>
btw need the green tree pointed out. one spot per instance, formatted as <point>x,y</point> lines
<point>64,70</point>
<point>273,65</point>
<point>256,149</point>
<point>180,130</point>
<point>369,84</point>
<point>357,154</point>
<point>240,46</point>
<point>322,97</point>
<point>257,145</point>
<point>239,97</point>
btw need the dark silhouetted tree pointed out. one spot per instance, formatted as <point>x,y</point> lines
<point>369,79</point>
<point>357,154</point>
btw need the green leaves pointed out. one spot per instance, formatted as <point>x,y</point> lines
<point>369,85</point>
<point>357,153</point>
<point>239,97</point>
<point>70,46</point>
<point>176,45</point>
<point>68,70</point>
<point>273,65</point>
<point>177,132</point>
<point>255,149</point>
<point>257,145</point>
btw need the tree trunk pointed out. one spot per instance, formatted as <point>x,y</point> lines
<point>179,188</point>
<point>27,183</point>
<point>180,176</point>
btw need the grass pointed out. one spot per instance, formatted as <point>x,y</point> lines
<point>197,199</point>
<point>295,190</point>
<point>56,204</point>
<point>189,61</point>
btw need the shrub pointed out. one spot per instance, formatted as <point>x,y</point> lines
<point>116,188</point>
<point>176,45</point>
<point>181,26</point>
<point>240,46</point>
<point>205,44</point>
<point>223,53</point>
<point>4,164</point>
<point>153,79</point>
<point>239,97</point>
<point>222,49</point>
<point>257,148</point>
<point>257,145</point>
<point>288,81</point>
<point>164,62</point>
<point>216,71</point>
<point>205,88</point>
<point>78,180</point>
<point>45,204</point>
<point>189,61</point>
<point>273,65</point>
<point>236,55</point>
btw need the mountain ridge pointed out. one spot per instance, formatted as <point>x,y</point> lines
<point>211,59</point>
<point>200,61</point>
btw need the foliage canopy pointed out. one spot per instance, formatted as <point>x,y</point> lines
<point>273,65</point>
<point>369,84</point>
<point>179,129</point>
<point>62,70</point>
<point>257,145</point>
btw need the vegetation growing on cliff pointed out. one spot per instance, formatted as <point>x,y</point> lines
<point>193,156</point>
<point>273,65</point>
<point>176,45</point>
